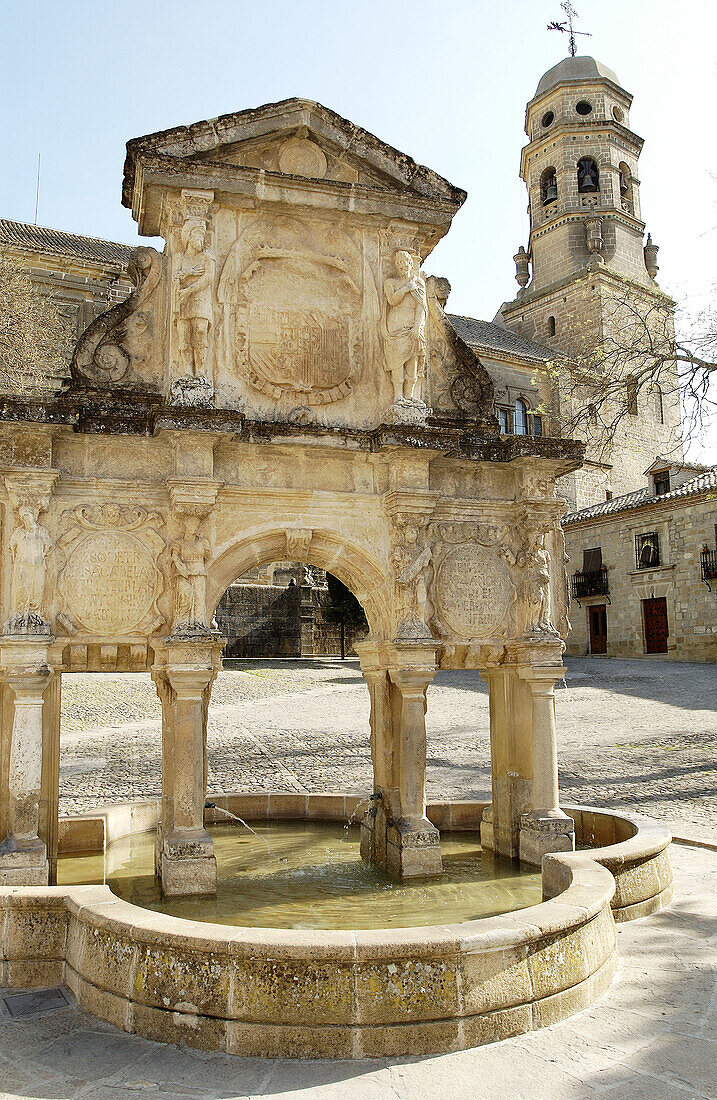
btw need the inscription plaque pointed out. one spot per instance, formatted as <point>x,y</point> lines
<point>110,582</point>
<point>474,591</point>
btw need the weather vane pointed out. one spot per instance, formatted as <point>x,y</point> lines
<point>567,26</point>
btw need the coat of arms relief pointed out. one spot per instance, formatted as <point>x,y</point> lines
<point>296,304</point>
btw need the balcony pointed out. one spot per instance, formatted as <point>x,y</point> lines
<point>590,584</point>
<point>708,565</point>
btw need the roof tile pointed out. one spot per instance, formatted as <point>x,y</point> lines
<point>39,238</point>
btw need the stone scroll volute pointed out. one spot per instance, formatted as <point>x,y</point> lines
<point>110,579</point>
<point>126,342</point>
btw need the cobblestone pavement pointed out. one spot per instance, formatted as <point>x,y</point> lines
<point>632,733</point>
<point>652,1036</point>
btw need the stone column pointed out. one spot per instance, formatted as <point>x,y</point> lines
<point>26,674</point>
<point>546,828</point>
<point>412,842</point>
<point>385,792</point>
<point>184,673</point>
<point>511,760</point>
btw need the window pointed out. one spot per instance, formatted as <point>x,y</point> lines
<point>659,407</point>
<point>537,424</point>
<point>551,326</point>
<point>592,414</point>
<point>592,560</point>
<point>608,494</point>
<point>631,397</point>
<point>647,550</point>
<point>548,186</point>
<point>662,482</point>
<point>588,176</point>
<point>504,420</point>
<point>547,118</point>
<point>520,418</point>
<point>583,107</point>
<point>618,114</point>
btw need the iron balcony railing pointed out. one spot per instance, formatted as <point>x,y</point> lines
<point>590,584</point>
<point>708,565</point>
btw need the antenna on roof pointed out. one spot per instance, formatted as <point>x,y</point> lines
<point>37,189</point>
<point>567,26</point>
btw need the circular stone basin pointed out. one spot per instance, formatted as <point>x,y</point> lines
<point>309,875</point>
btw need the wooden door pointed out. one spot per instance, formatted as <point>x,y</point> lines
<point>654,616</point>
<point>597,617</point>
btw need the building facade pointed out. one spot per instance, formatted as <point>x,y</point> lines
<point>643,569</point>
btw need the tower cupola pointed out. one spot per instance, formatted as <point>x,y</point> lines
<point>581,170</point>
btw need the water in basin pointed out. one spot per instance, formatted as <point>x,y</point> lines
<point>313,877</point>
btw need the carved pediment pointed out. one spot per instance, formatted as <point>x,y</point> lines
<point>296,137</point>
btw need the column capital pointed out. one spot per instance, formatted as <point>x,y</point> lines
<point>198,652</point>
<point>541,679</point>
<point>412,654</point>
<point>24,656</point>
<point>412,681</point>
<point>190,683</point>
<point>548,653</point>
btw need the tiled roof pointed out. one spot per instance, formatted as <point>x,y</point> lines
<point>492,337</point>
<point>38,238</point>
<point>699,484</point>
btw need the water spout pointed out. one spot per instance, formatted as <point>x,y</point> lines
<point>240,820</point>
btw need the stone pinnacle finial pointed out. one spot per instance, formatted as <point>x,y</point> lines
<point>651,251</point>
<point>522,270</point>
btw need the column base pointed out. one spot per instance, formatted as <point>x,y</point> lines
<point>542,834</point>
<point>403,847</point>
<point>23,862</point>
<point>186,863</point>
<point>413,848</point>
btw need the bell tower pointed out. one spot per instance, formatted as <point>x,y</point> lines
<point>586,248</point>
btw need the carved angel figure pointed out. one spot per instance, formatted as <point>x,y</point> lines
<point>194,280</point>
<point>412,569</point>
<point>404,335</point>
<point>189,556</point>
<point>29,545</point>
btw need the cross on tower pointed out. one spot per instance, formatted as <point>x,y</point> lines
<point>567,26</point>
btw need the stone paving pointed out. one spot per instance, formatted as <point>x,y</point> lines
<point>652,1036</point>
<point>632,733</point>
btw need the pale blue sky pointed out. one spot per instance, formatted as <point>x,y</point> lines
<point>446,84</point>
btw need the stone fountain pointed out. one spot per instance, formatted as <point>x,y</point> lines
<point>283,384</point>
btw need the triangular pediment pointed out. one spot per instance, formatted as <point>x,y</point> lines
<point>296,137</point>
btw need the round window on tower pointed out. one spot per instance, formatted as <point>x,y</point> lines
<point>547,119</point>
<point>583,107</point>
<point>618,114</point>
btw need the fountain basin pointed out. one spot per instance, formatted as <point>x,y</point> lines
<point>337,994</point>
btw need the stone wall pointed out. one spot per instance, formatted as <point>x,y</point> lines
<point>262,618</point>
<point>685,527</point>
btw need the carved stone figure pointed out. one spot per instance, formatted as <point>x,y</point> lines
<point>189,555</point>
<point>194,281</point>
<point>405,328</point>
<point>29,544</point>
<point>412,569</point>
<point>531,566</point>
<point>124,333</point>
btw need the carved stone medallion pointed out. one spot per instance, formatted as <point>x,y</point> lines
<point>110,580</point>
<point>473,591</point>
<point>301,157</point>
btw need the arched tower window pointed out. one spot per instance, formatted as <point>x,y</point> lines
<point>548,186</point>
<point>588,176</point>
<point>520,418</point>
<point>626,195</point>
<point>551,326</point>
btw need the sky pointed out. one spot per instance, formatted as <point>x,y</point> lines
<point>445,83</point>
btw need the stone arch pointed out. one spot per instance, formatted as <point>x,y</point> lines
<point>359,570</point>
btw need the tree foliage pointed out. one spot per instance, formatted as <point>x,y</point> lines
<point>343,607</point>
<point>34,337</point>
<point>635,360</point>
